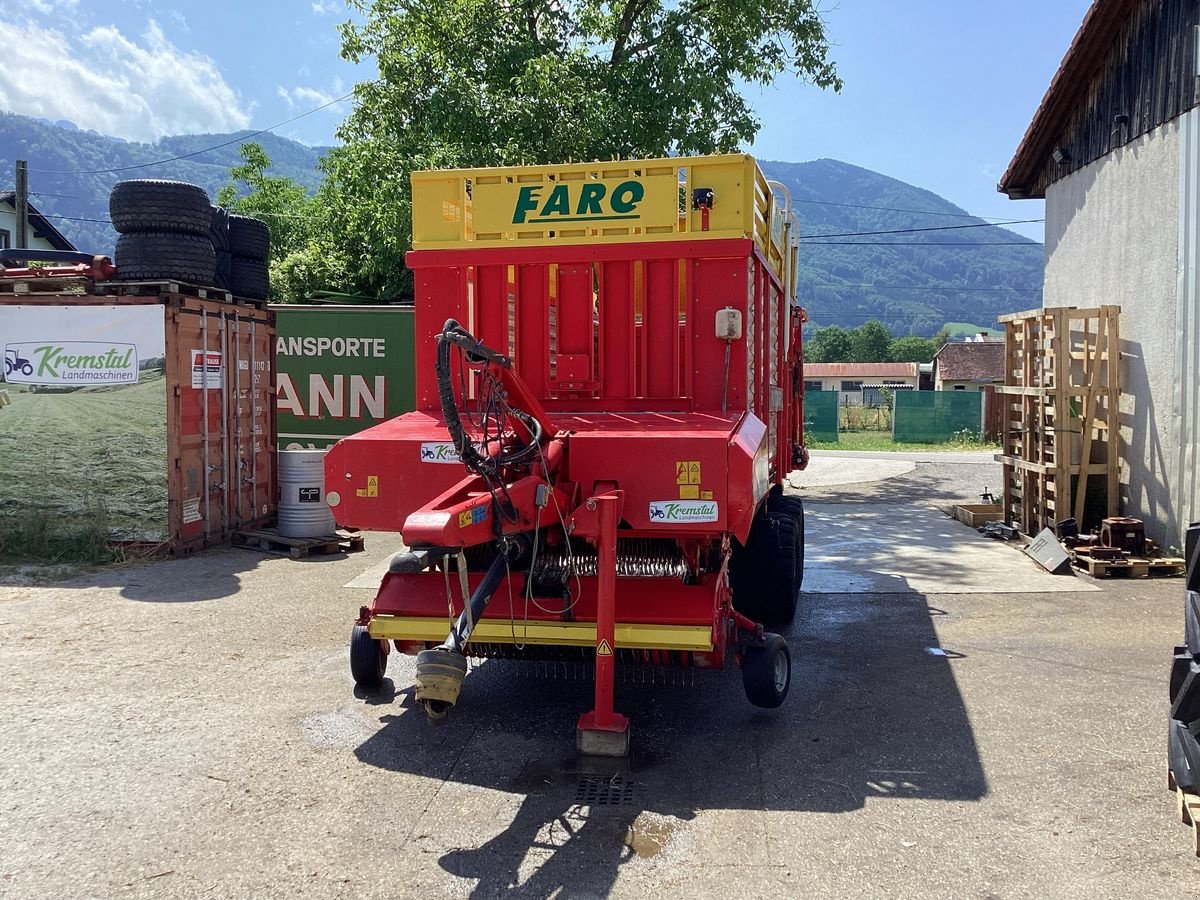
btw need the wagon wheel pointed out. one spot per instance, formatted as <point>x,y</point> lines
<point>368,660</point>
<point>767,672</point>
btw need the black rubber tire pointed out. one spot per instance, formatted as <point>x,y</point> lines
<point>785,564</point>
<point>763,574</point>
<point>161,206</point>
<point>153,255</point>
<point>249,238</point>
<point>763,668</point>
<point>222,277</point>
<point>794,507</point>
<point>218,231</point>
<point>368,661</point>
<point>249,278</point>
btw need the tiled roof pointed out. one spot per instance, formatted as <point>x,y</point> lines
<point>974,361</point>
<point>860,370</point>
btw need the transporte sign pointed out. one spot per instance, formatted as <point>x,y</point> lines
<point>340,370</point>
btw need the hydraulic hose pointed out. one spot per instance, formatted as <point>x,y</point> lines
<point>453,333</point>
<point>482,595</point>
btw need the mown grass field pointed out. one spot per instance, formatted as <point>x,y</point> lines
<point>93,456</point>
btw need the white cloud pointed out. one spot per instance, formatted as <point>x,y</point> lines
<point>310,98</point>
<point>46,7</point>
<point>139,88</point>
<point>326,7</point>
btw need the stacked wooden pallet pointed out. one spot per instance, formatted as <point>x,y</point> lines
<point>1061,430</point>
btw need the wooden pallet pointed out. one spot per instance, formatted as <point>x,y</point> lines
<point>1187,805</point>
<point>157,288</point>
<point>271,541</point>
<point>1130,567</point>
<point>1060,438</point>
<point>74,284</point>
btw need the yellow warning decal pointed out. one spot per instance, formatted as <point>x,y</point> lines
<point>464,518</point>
<point>706,495</point>
<point>687,471</point>
<point>689,492</point>
<point>372,485</point>
<point>604,648</point>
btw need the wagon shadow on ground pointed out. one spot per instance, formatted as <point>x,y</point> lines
<point>874,711</point>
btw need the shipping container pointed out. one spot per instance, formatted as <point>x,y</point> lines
<point>149,414</point>
<point>341,369</point>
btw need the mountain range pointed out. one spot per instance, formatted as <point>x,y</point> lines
<point>911,278</point>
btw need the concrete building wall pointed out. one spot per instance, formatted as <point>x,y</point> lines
<point>1112,237</point>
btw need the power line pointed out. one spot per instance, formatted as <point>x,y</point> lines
<point>920,287</point>
<point>75,218</point>
<point>917,230</point>
<point>919,244</point>
<point>236,140</point>
<point>923,212</point>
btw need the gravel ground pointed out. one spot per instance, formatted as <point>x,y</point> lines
<point>189,729</point>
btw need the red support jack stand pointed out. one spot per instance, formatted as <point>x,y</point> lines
<point>603,732</point>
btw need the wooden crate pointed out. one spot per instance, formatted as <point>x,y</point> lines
<point>1060,433</point>
<point>976,514</point>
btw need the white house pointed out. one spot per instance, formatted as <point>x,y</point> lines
<point>42,235</point>
<point>1114,148</point>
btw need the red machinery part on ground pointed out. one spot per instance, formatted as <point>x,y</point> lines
<point>654,394</point>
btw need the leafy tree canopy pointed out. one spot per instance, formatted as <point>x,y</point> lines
<point>480,82</point>
<point>304,259</point>
<point>869,342</point>
<point>911,349</point>
<point>831,344</point>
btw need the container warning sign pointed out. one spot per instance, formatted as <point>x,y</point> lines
<point>207,369</point>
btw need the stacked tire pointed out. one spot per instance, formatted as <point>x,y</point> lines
<point>1183,753</point>
<point>170,231</point>
<point>164,231</point>
<point>249,248</point>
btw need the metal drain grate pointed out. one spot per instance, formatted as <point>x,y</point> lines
<point>604,790</point>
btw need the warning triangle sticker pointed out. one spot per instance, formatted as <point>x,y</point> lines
<point>605,649</point>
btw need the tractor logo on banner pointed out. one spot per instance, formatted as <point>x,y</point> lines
<point>78,363</point>
<point>664,511</point>
<point>439,452</point>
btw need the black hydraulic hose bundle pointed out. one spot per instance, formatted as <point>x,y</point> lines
<point>487,465</point>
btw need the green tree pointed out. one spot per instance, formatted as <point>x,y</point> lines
<point>940,339</point>
<point>869,342</point>
<point>482,83</point>
<point>911,349</point>
<point>304,257</point>
<point>831,344</point>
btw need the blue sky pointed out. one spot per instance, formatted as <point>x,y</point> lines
<point>938,92</point>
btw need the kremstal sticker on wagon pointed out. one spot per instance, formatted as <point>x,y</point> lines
<point>663,511</point>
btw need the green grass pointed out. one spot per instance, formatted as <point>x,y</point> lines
<point>82,468</point>
<point>879,440</point>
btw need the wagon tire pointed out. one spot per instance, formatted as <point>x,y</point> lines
<point>794,507</point>
<point>249,238</point>
<point>249,278</point>
<point>156,205</point>
<point>368,659</point>
<point>767,672</point>
<point>155,255</point>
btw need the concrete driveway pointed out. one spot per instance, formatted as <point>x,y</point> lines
<point>189,729</point>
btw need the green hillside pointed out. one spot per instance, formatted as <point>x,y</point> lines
<point>56,153</point>
<point>913,283</point>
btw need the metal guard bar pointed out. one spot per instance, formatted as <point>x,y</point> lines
<point>696,638</point>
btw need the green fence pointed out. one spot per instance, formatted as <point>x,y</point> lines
<point>821,415</point>
<point>932,417</point>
